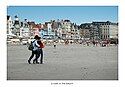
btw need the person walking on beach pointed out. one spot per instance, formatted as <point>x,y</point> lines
<point>40,49</point>
<point>54,44</point>
<point>35,50</point>
<point>93,42</point>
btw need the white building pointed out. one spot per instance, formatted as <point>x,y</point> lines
<point>9,25</point>
<point>113,32</point>
<point>17,26</point>
<point>24,30</point>
<point>66,29</point>
<point>107,30</point>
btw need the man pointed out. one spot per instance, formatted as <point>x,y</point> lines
<point>35,50</point>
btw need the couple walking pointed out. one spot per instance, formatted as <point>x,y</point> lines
<point>37,51</point>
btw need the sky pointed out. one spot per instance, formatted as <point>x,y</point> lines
<point>77,14</point>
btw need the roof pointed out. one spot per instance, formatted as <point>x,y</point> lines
<point>66,20</point>
<point>8,17</point>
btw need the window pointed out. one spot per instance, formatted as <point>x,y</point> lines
<point>105,36</point>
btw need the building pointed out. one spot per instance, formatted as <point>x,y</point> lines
<point>17,28</point>
<point>10,26</point>
<point>85,31</point>
<point>113,31</point>
<point>66,29</point>
<point>56,27</point>
<point>36,29</point>
<point>63,29</point>
<point>31,30</point>
<point>94,32</point>
<point>107,30</point>
<point>17,25</point>
<point>75,33</point>
<point>47,32</point>
<point>24,29</point>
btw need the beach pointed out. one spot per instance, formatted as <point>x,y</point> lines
<point>65,62</point>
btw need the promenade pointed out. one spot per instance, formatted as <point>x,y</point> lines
<point>65,62</point>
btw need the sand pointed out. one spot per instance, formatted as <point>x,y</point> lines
<point>65,62</point>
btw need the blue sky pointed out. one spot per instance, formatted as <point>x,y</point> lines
<point>77,14</point>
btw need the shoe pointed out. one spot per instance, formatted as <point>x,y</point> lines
<point>41,62</point>
<point>37,62</point>
<point>34,61</point>
<point>29,61</point>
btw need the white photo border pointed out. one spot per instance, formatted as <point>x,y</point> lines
<point>48,83</point>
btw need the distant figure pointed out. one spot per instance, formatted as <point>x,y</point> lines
<point>93,43</point>
<point>71,42</point>
<point>108,43</point>
<point>96,43</point>
<point>66,42</point>
<point>54,44</point>
<point>87,42</point>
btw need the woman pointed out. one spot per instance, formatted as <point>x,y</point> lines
<point>40,50</point>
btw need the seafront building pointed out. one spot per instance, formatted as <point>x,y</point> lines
<point>107,30</point>
<point>62,29</point>
<point>10,26</point>
<point>99,30</point>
